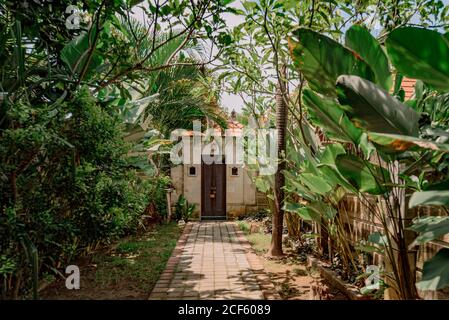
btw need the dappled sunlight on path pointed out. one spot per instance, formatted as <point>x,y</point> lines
<point>213,260</point>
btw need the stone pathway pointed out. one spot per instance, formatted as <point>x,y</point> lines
<point>213,260</point>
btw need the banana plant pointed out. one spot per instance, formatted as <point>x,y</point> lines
<point>360,40</point>
<point>374,109</point>
<point>424,55</point>
<point>322,59</point>
<point>351,102</point>
<point>421,54</point>
<point>322,183</point>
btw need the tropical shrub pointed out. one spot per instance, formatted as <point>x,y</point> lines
<point>156,190</point>
<point>59,197</point>
<point>184,210</point>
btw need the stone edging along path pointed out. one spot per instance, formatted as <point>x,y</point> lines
<point>213,260</point>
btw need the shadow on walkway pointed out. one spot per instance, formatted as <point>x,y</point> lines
<point>213,260</point>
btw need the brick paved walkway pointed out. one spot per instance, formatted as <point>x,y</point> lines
<point>213,260</point>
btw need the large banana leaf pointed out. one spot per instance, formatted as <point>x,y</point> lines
<point>435,272</point>
<point>292,185</point>
<point>378,238</point>
<point>312,212</point>
<point>334,177</point>
<point>330,154</point>
<point>331,118</point>
<point>298,188</point>
<point>322,59</point>
<point>420,54</point>
<point>374,109</point>
<point>400,143</point>
<point>359,39</point>
<point>429,228</point>
<point>326,114</point>
<point>323,209</point>
<point>315,183</point>
<point>132,111</point>
<point>328,167</point>
<point>432,197</point>
<point>310,137</point>
<point>75,53</point>
<point>363,175</point>
<point>308,214</point>
<point>305,213</point>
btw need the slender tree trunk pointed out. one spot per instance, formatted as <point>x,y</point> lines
<point>281,126</point>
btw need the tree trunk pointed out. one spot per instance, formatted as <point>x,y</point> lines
<point>281,126</point>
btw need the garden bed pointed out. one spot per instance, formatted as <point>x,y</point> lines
<point>349,290</point>
<point>126,270</point>
<point>290,275</point>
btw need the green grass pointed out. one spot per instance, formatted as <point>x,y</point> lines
<point>127,247</point>
<point>244,226</point>
<point>138,261</point>
<point>260,242</point>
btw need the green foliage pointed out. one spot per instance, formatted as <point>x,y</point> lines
<point>366,113</point>
<point>326,114</point>
<point>374,109</point>
<point>184,210</point>
<point>60,197</point>
<point>430,228</point>
<point>156,190</point>
<point>378,239</point>
<point>363,175</point>
<point>435,272</point>
<point>434,197</point>
<point>318,176</point>
<point>75,54</point>
<point>400,143</point>
<point>321,60</point>
<point>431,103</point>
<point>359,39</point>
<point>66,181</point>
<point>421,54</point>
<point>314,183</point>
<point>304,212</point>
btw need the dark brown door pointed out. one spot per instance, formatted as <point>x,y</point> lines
<point>213,191</point>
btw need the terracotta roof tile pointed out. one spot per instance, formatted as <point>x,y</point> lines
<point>409,87</point>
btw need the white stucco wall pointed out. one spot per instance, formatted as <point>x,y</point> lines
<point>177,178</point>
<point>234,185</point>
<point>240,191</point>
<point>249,193</point>
<point>192,186</point>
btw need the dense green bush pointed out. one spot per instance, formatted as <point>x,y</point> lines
<point>61,197</point>
<point>156,187</point>
<point>66,183</point>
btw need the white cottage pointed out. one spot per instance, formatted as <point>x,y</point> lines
<point>222,188</point>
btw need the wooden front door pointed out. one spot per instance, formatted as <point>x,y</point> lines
<point>213,191</point>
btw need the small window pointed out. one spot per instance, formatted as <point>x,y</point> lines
<point>192,171</point>
<point>235,171</point>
